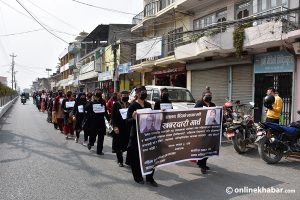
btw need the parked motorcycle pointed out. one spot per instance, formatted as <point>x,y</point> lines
<point>275,141</point>
<point>242,130</point>
<point>23,100</point>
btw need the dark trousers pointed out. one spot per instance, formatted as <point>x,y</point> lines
<point>120,156</point>
<point>49,118</point>
<point>202,163</point>
<point>86,134</point>
<point>135,166</point>
<point>272,120</point>
<point>100,140</point>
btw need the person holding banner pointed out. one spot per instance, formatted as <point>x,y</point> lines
<point>96,111</point>
<point>67,106</point>
<point>133,149</point>
<point>120,128</point>
<point>79,113</point>
<point>164,103</point>
<point>205,101</point>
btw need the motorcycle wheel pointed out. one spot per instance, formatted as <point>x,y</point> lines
<point>238,143</point>
<point>266,152</point>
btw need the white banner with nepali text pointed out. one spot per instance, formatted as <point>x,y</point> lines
<point>173,136</point>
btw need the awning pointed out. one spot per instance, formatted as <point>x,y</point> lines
<point>88,75</point>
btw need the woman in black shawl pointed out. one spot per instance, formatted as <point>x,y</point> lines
<point>120,126</point>
<point>79,113</point>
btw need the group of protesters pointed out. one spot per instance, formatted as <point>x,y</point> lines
<point>91,113</point>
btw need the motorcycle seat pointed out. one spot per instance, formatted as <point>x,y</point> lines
<point>287,130</point>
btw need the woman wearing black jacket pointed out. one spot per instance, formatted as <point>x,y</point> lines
<point>96,111</point>
<point>133,149</point>
<point>204,102</point>
<point>120,127</point>
<point>79,113</point>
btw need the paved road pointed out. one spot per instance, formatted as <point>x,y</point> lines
<point>36,162</point>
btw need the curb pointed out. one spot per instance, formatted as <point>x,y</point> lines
<point>4,108</point>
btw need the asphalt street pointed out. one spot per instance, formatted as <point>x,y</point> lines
<point>36,162</point>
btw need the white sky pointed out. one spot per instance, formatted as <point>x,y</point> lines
<point>39,50</point>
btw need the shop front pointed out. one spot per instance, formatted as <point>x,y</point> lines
<point>106,82</point>
<point>228,79</point>
<point>275,69</point>
<point>127,78</point>
<point>88,77</point>
<point>170,76</point>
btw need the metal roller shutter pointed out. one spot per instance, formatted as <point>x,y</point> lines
<point>242,81</point>
<point>216,79</point>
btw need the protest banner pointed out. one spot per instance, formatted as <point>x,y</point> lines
<point>173,136</point>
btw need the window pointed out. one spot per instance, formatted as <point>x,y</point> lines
<point>180,95</point>
<point>243,10</point>
<point>203,22</point>
<point>255,6</point>
<point>221,16</point>
<point>149,94</point>
<point>273,3</point>
<point>174,37</point>
<point>263,5</point>
<point>155,95</point>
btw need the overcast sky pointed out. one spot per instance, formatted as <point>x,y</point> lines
<point>39,49</point>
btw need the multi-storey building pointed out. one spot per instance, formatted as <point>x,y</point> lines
<point>3,80</point>
<point>99,63</point>
<point>237,47</point>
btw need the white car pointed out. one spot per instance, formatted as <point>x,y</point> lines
<point>181,98</point>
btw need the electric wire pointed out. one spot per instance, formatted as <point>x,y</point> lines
<point>102,8</point>
<point>40,23</point>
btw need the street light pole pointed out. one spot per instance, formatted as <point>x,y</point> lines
<point>48,70</point>
<point>12,70</point>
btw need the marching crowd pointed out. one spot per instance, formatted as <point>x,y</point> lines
<point>93,114</point>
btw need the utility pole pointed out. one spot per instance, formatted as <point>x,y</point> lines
<point>116,71</point>
<point>15,79</point>
<point>13,70</point>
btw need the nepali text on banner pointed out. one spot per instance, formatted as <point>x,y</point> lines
<point>172,136</point>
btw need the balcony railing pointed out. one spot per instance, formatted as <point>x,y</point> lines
<point>165,3</point>
<point>287,16</point>
<point>138,18</point>
<point>151,9</point>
